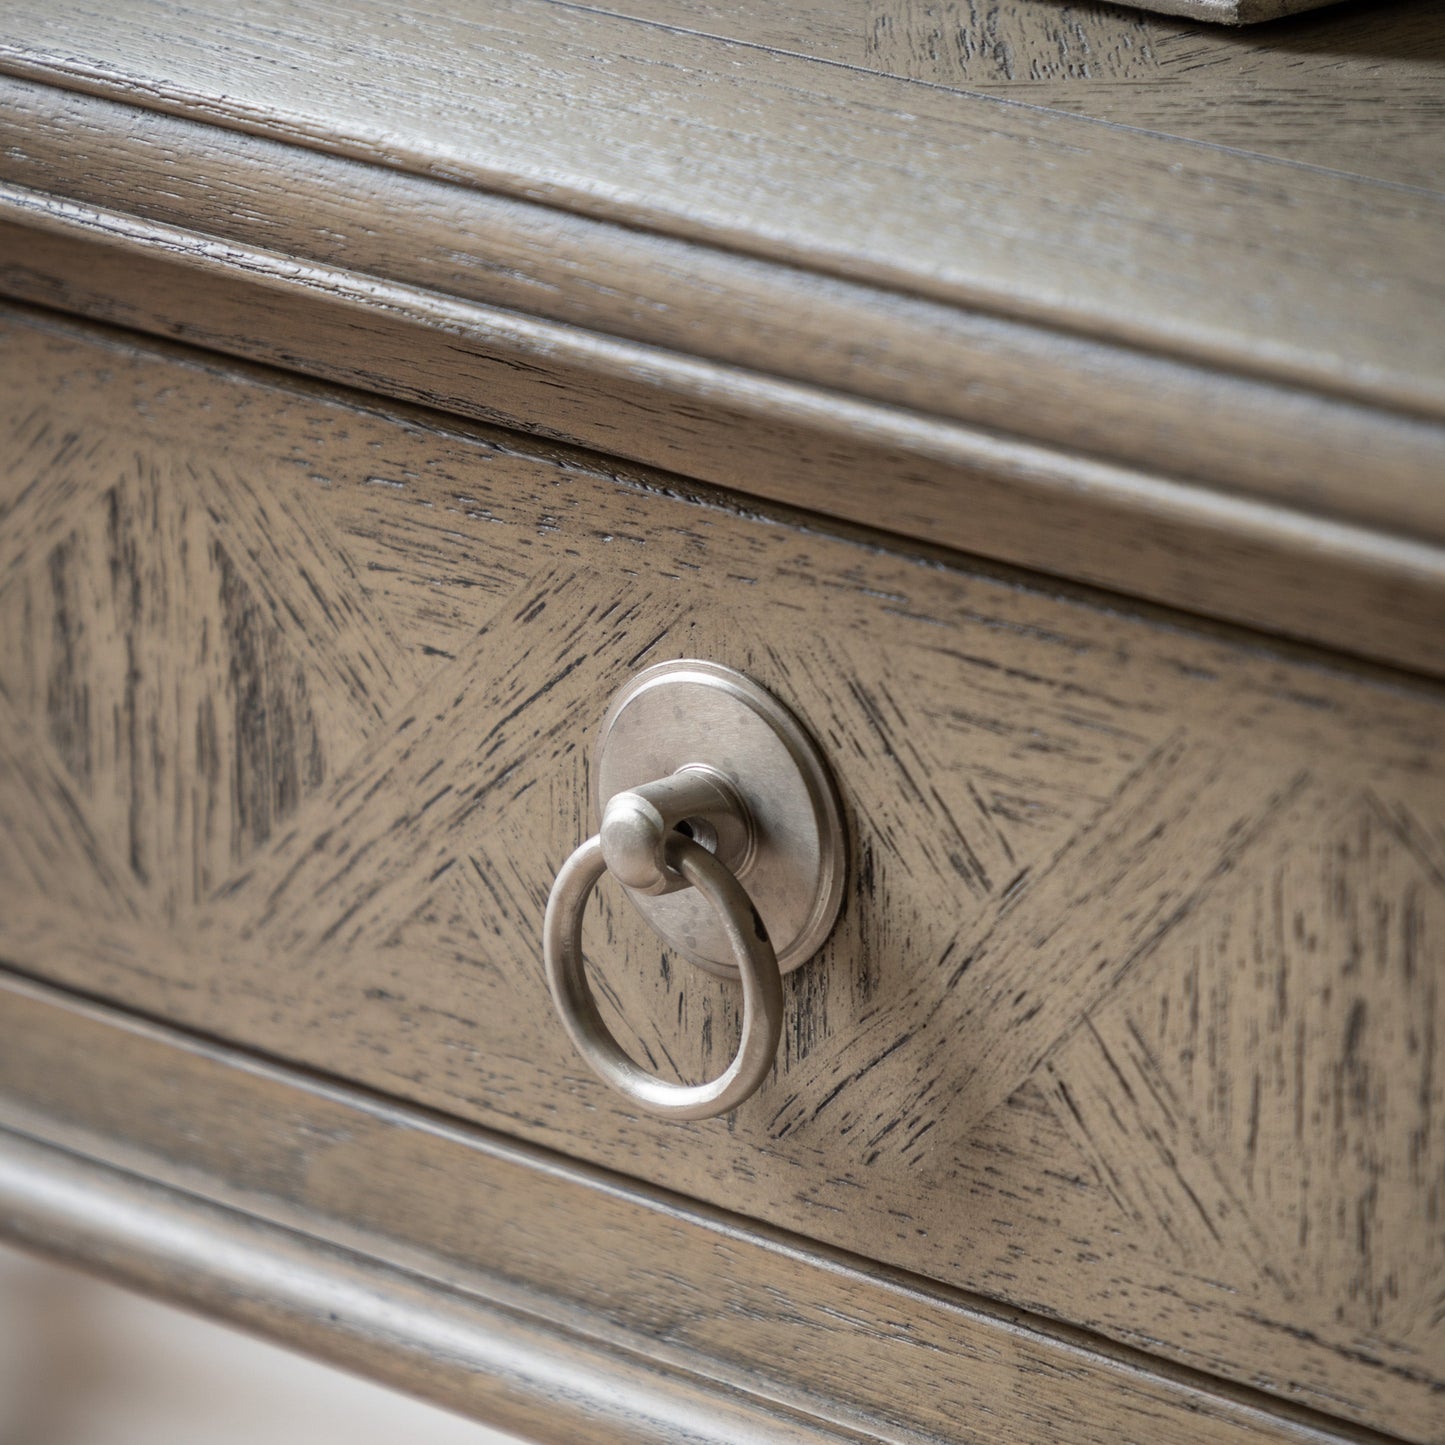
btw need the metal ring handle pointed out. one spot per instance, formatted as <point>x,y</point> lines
<point>757,967</point>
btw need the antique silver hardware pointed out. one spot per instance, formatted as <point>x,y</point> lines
<point>720,819</point>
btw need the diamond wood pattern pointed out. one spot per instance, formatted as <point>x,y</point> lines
<point>1132,1014</point>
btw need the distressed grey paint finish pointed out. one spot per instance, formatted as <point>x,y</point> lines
<point>1130,1017</point>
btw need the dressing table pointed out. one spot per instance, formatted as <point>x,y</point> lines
<point>1040,408</point>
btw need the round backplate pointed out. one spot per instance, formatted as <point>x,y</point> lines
<point>677,713</point>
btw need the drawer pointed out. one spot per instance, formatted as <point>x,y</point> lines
<point>1130,1017</point>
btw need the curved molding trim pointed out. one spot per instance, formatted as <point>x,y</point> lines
<point>518,1372</point>
<point>1229,257</point>
<point>545,1296</point>
<point>1259,562</point>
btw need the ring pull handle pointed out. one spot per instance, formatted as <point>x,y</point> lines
<point>717,812</point>
<point>640,843</point>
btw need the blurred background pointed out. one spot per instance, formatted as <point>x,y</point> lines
<point>86,1363</point>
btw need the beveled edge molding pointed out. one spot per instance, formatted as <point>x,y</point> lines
<point>1148,475</point>
<point>491,1277</point>
<point>458,1350</point>
<point>1320,579</point>
<point>180,184</point>
<point>1317,275</point>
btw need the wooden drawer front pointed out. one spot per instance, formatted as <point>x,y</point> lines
<point>1131,1016</point>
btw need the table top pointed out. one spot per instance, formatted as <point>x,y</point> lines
<point>1267,198</point>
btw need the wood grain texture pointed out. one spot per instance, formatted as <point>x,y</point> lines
<point>528,1290</point>
<point>495,1364</point>
<point>1150,455</point>
<point>1230,259</point>
<point>1279,535</point>
<point>1354,88</point>
<point>1131,1017</point>
<point>177,190</point>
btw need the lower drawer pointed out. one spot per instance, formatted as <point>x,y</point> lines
<point>1130,1018</point>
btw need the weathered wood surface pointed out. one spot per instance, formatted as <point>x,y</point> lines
<point>554,1299</point>
<point>1169,480</point>
<point>1354,88</point>
<point>1250,264</point>
<point>1132,1016</point>
<point>1198,376</point>
<point>87,169</point>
